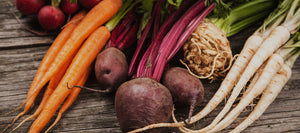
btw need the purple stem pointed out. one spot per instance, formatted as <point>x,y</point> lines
<point>130,38</point>
<point>137,52</point>
<point>142,63</point>
<point>123,34</point>
<point>170,40</point>
<point>156,23</point>
<point>192,26</point>
<point>119,29</point>
<point>149,58</point>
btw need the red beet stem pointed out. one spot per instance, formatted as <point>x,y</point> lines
<point>192,26</point>
<point>149,56</point>
<point>171,38</point>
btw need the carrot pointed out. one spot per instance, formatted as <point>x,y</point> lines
<point>268,96</point>
<point>71,98</point>
<point>83,59</point>
<point>50,88</point>
<point>47,60</point>
<point>273,65</point>
<point>93,19</point>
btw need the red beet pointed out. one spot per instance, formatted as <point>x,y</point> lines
<point>88,4</point>
<point>186,89</point>
<point>142,101</point>
<point>68,7</point>
<point>111,69</point>
<point>51,18</point>
<point>28,7</point>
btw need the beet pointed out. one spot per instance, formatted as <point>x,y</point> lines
<point>51,18</point>
<point>29,7</point>
<point>88,4</point>
<point>111,69</point>
<point>186,89</point>
<point>142,101</point>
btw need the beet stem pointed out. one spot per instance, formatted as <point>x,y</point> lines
<point>153,48</point>
<point>136,56</point>
<point>130,38</point>
<point>192,26</point>
<point>171,38</point>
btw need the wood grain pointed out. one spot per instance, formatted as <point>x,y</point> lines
<point>22,51</point>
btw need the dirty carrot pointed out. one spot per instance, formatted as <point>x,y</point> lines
<point>82,60</point>
<point>93,19</point>
<point>71,98</point>
<point>47,60</point>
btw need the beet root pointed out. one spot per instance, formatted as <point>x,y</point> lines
<point>111,69</point>
<point>142,101</point>
<point>186,89</point>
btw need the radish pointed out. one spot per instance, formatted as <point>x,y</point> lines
<point>88,4</point>
<point>28,7</point>
<point>69,7</point>
<point>51,18</point>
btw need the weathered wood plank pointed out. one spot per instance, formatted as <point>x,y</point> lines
<point>21,53</point>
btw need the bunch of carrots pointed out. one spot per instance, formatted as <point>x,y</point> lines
<point>68,63</point>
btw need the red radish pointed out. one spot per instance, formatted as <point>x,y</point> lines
<point>28,7</point>
<point>51,18</point>
<point>69,7</point>
<point>89,3</point>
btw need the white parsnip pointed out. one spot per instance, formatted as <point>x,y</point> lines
<point>268,96</point>
<point>276,39</point>
<point>273,65</point>
<point>251,45</point>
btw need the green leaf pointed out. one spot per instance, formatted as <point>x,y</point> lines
<point>176,3</point>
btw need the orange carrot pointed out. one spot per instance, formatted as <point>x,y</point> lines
<point>47,60</point>
<point>83,59</point>
<point>97,16</point>
<point>71,98</point>
<point>50,88</point>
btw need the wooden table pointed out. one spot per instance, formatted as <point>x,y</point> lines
<point>21,53</point>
